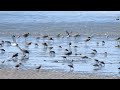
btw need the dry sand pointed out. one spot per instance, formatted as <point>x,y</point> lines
<point>43,74</point>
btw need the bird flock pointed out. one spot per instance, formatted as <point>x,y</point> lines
<point>65,51</point>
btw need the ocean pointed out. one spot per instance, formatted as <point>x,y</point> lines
<point>55,22</point>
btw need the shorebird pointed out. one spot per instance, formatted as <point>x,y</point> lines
<point>52,53</point>
<point>70,44</point>
<point>88,39</point>
<point>60,46</point>
<point>83,56</point>
<point>36,45</point>
<point>51,39</point>
<point>105,54</point>
<point>103,42</point>
<point>99,63</point>
<point>68,34</point>
<point>96,60</point>
<point>15,56</point>
<point>102,63</point>
<point>14,38</point>
<point>68,52</point>
<point>38,68</point>
<point>27,44</point>
<point>8,43</point>
<point>96,65</point>
<point>45,36</point>
<point>2,51</point>
<point>71,66</point>
<point>2,43</point>
<point>24,57</point>
<point>97,43</point>
<point>94,50</point>
<point>25,36</point>
<point>45,44</point>
<point>23,50</point>
<point>64,57</point>
<point>77,35</point>
<point>118,40</point>
<point>50,48</point>
<point>18,65</point>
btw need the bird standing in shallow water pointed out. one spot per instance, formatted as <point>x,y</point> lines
<point>103,43</point>
<point>52,53</point>
<point>45,45</point>
<point>24,51</point>
<point>71,67</point>
<point>25,36</point>
<point>105,54</point>
<point>2,43</point>
<point>36,45</point>
<point>15,56</point>
<point>18,65</point>
<point>2,51</point>
<point>38,68</point>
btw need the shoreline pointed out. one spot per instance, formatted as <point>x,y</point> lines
<point>45,74</point>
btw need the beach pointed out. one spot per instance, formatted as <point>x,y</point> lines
<point>76,42</point>
<point>98,29</point>
<point>43,74</point>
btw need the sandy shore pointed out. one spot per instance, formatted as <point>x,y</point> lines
<point>87,28</point>
<point>42,74</point>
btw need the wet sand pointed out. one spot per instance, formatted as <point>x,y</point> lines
<point>43,74</point>
<point>86,28</point>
